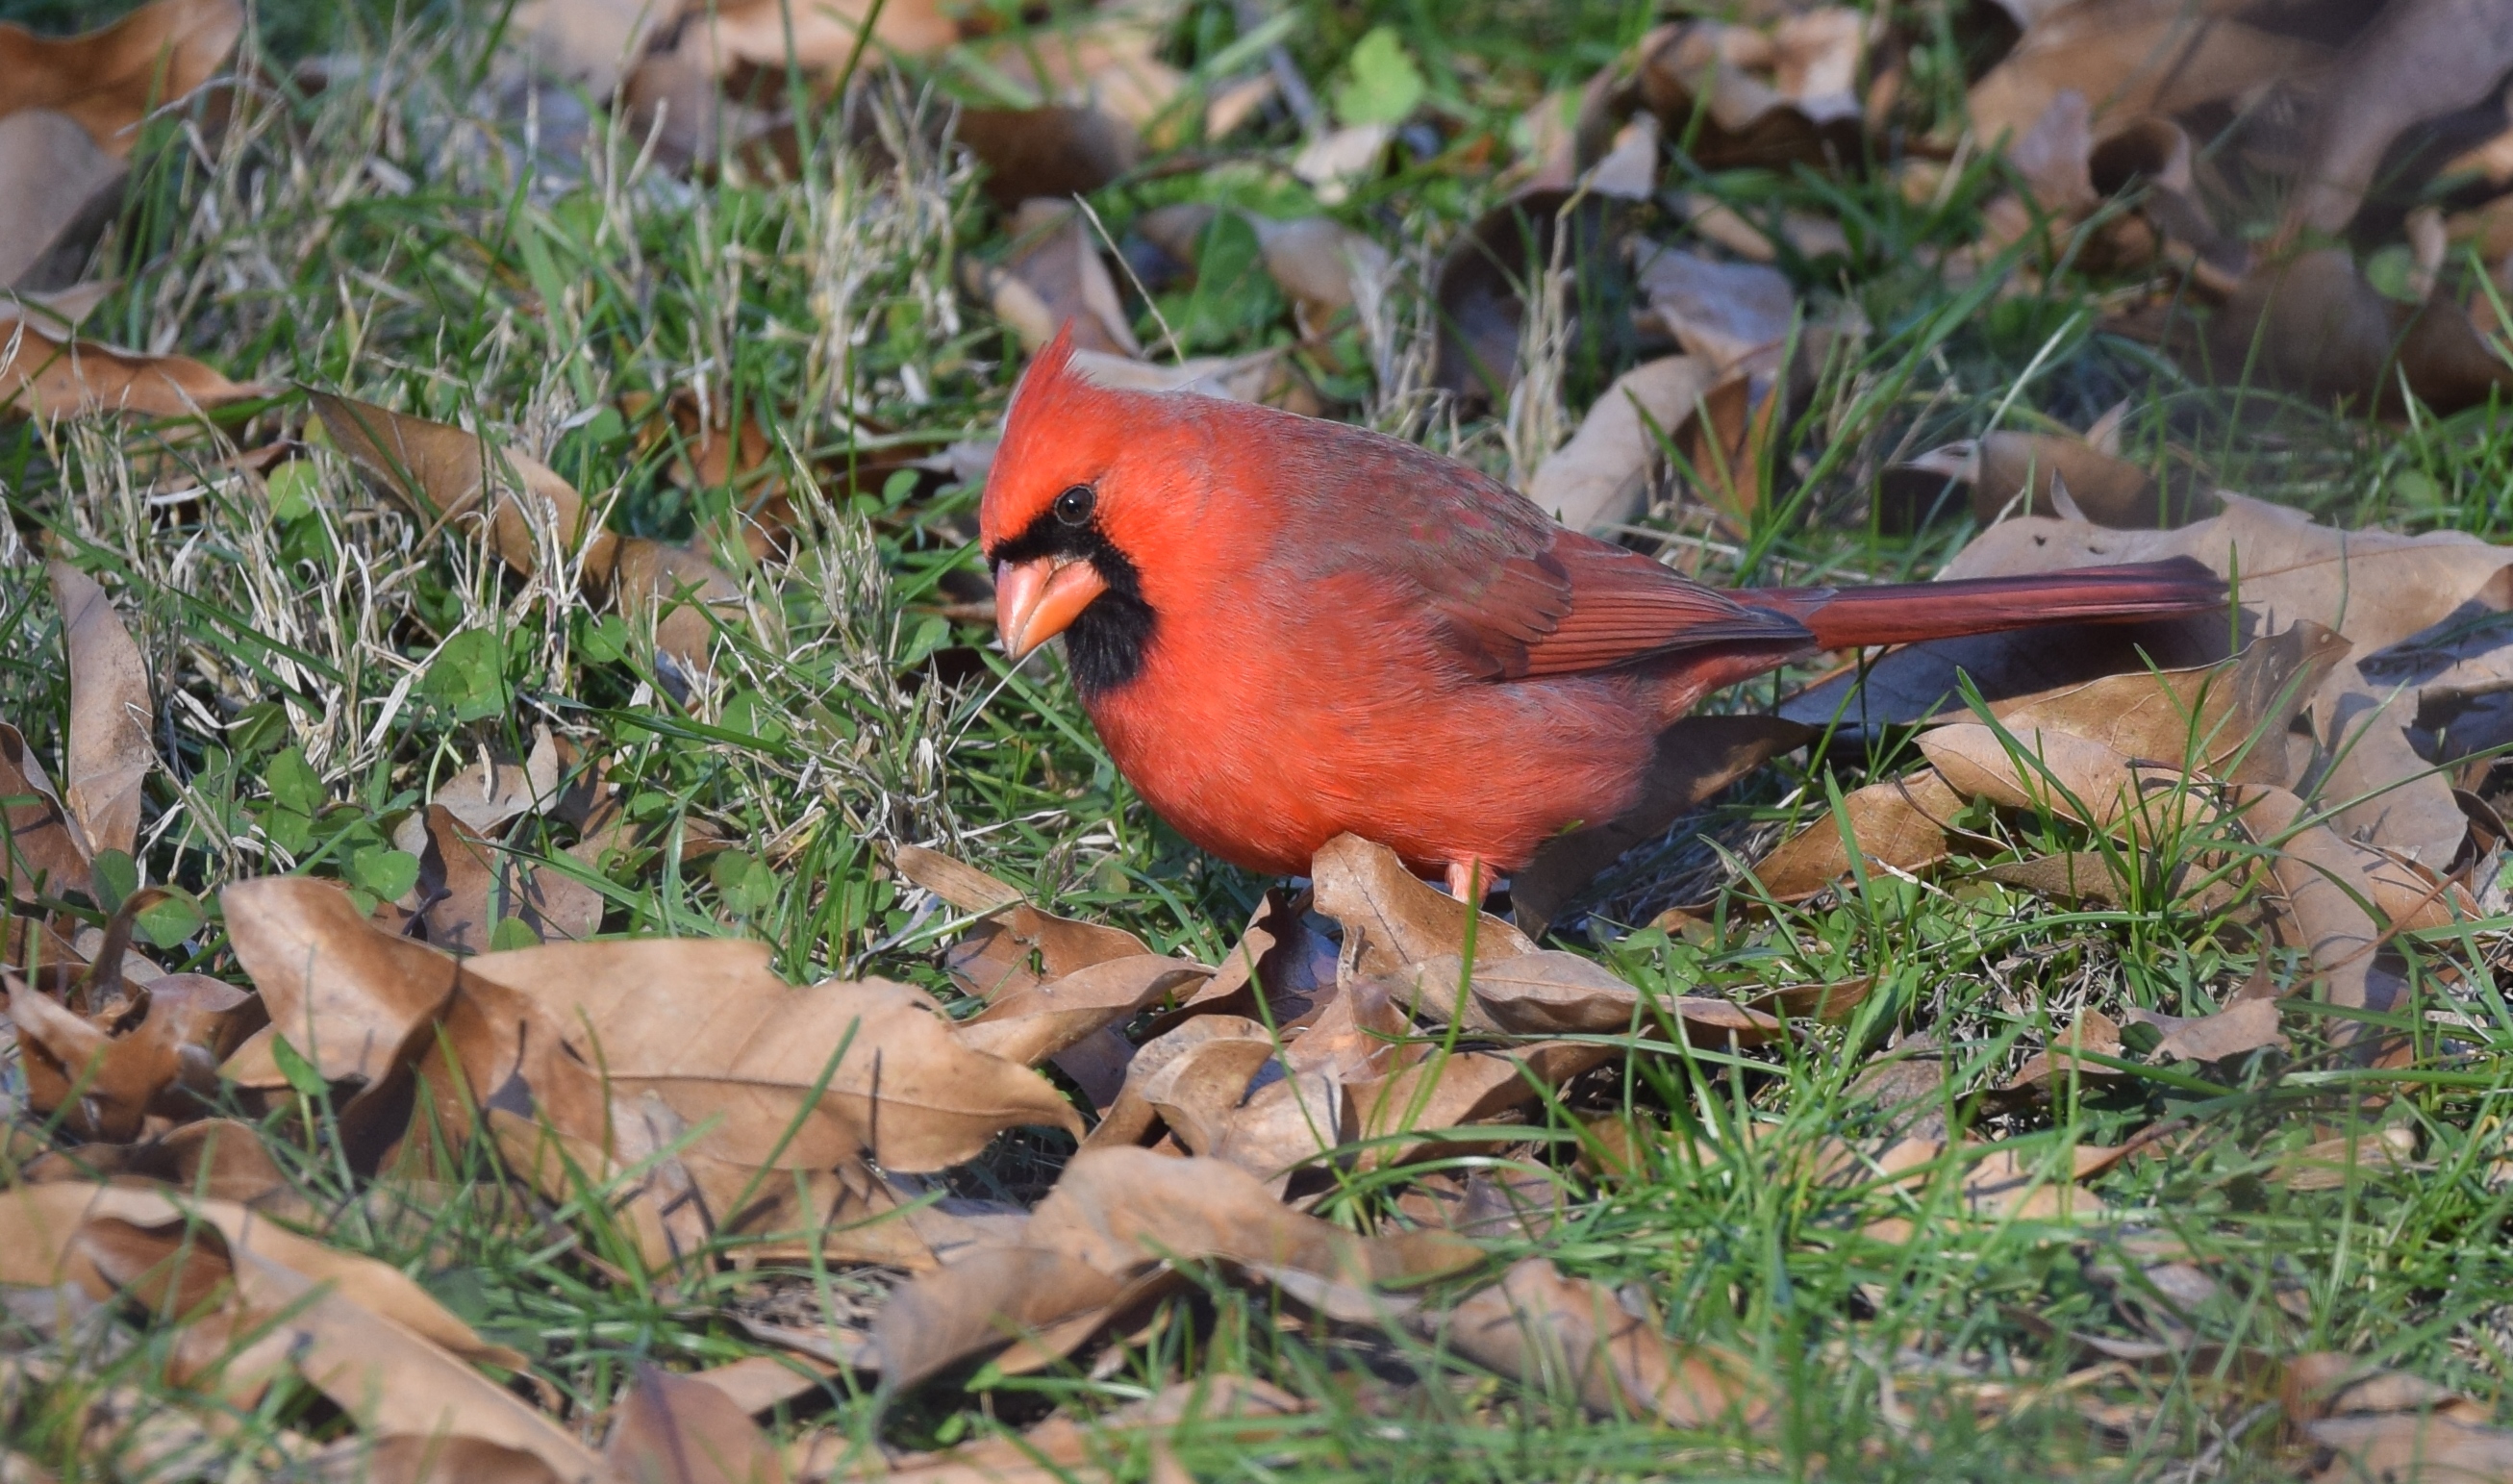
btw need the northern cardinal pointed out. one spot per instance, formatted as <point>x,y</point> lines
<point>1286,628</point>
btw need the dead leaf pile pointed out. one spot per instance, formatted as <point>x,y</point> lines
<point>535,522</point>
<point>2110,103</point>
<point>2325,788</point>
<point>70,111</point>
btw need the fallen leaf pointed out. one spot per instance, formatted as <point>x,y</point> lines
<point>105,1080</point>
<point>2417,61</point>
<point>109,751</point>
<point>678,1430</point>
<point>983,1304</point>
<point>2236,1030</point>
<point>2313,325</point>
<point>1741,96</point>
<point>492,791</point>
<point>961,885</point>
<point>1600,478</point>
<point>1392,917</point>
<point>757,1383</point>
<point>1036,1022</point>
<point>683,594</point>
<point>413,1459</point>
<point>48,379</point>
<point>2069,776</point>
<point>1730,316</point>
<point>2129,58</point>
<point>2013,473</point>
<point>1545,1330</point>
<point>446,475</point>
<point>1047,153</point>
<point>1900,825</point>
<point>352,1000</point>
<point>48,852</point>
<point>708,1027</point>
<point>62,189</point>
<point>108,79</point>
<point>824,36</point>
<point>1189,1080</point>
<point>2377,590</point>
<point>1281,970</point>
<point>2332,1164</point>
<point>1054,276</point>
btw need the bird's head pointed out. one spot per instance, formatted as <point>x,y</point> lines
<point>1076,486</point>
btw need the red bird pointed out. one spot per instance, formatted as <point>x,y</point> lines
<point>1285,628</point>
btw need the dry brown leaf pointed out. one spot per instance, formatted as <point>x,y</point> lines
<point>1053,277</point>
<point>493,790</point>
<point>443,475</point>
<point>2371,1424</point>
<point>2374,588</point>
<point>1113,1218</point>
<point>45,377</point>
<point>1601,476</point>
<point>1741,96</point>
<point>961,885</point>
<point>2418,60</point>
<point>2072,777</point>
<point>1547,1329</point>
<point>61,189</point>
<point>408,1458</point>
<point>2229,718</point>
<point>109,755</point>
<point>1189,1080</point>
<point>2092,1034</point>
<point>108,79</point>
<point>1898,825</point>
<point>2236,1030</point>
<point>1012,952</point>
<point>2325,894</point>
<point>1392,918</point>
<point>1049,154</point>
<point>983,1304</point>
<point>2333,1164</point>
<point>678,1430</point>
<point>2014,473</point>
<point>48,852</point>
<point>757,1383</point>
<point>1281,970</point>
<point>354,1001</point>
<point>1042,1019</point>
<point>2314,325</point>
<point>105,1077</point>
<point>2129,58</point>
<point>823,35</point>
<point>1730,316</point>
<point>706,1025</point>
<point>685,593</point>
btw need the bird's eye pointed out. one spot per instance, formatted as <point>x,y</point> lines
<point>1073,506</point>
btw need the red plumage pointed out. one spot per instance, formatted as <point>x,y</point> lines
<point>1285,628</point>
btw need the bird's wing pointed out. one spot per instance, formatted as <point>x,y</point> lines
<point>1561,603</point>
<point>1514,594</point>
<point>1625,607</point>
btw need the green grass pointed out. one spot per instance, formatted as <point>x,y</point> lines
<point>386,238</point>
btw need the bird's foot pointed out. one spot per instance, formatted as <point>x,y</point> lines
<point>1470,880</point>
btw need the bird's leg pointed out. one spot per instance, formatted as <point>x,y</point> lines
<point>1468,880</point>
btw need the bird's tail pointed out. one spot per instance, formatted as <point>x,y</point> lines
<point>1851,618</point>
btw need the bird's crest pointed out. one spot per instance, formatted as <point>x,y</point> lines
<point>1062,430</point>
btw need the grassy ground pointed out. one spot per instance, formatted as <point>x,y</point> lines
<point>390,238</point>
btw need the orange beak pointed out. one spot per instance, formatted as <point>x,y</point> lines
<point>1040,598</point>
